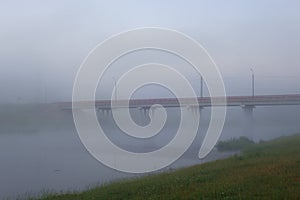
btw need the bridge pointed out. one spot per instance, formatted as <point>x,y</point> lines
<point>247,103</point>
<point>242,101</point>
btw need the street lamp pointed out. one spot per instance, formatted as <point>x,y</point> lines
<point>201,92</point>
<point>252,82</point>
<point>115,82</point>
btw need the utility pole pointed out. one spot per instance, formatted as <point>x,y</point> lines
<point>201,91</point>
<point>115,82</point>
<point>253,80</point>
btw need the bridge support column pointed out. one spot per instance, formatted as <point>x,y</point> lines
<point>152,111</point>
<point>145,110</point>
<point>105,112</point>
<point>248,127</point>
<point>193,109</point>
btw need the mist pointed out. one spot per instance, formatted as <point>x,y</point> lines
<point>44,43</point>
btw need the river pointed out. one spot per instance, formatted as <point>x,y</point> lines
<point>51,158</point>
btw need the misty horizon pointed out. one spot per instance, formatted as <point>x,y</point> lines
<point>44,44</point>
<point>57,56</point>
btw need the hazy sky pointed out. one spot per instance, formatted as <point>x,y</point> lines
<point>44,42</point>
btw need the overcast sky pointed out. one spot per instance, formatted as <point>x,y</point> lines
<point>43,43</point>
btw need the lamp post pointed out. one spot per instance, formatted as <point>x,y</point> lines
<point>253,92</point>
<point>201,91</point>
<point>115,82</point>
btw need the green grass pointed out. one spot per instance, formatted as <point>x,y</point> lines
<point>234,144</point>
<point>269,170</point>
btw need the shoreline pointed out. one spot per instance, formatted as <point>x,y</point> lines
<point>264,163</point>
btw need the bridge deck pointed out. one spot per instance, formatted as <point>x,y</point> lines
<point>261,100</point>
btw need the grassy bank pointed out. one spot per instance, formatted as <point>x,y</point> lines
<point>234,144</point>
<point>269,170</point>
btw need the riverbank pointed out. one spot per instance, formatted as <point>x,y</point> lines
<point>269,170</point>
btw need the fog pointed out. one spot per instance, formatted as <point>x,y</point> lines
<point>44,43</point>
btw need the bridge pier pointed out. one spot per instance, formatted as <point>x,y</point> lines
<point>104,111</point>
<point>248,127</point>
<point>193,109</point>
<point>152,111</point>
<point>145,110</point>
